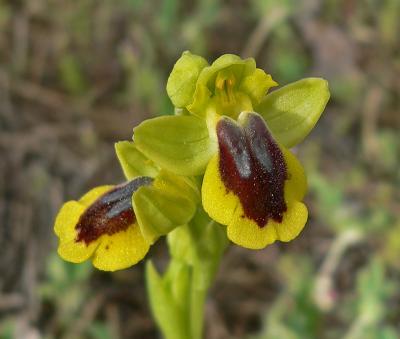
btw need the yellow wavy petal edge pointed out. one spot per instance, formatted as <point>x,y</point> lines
<point>224,207</point>
<point>109,252</point>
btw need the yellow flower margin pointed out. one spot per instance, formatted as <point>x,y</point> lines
<point>108,252</point>
<point>224,207</point>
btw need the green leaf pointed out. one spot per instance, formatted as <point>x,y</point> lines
<point>177,280</point>
<point>169,202</point>
<point>133,162</point>
<point>180,144</point>
<point>168,316</point>
<point>182,80</point>
<point>292,111</point>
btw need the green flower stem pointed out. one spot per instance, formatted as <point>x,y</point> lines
<point>177,298</point>
<point>197,301</point>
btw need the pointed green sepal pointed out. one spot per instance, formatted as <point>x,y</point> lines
<point>133,162</point>
<point>180,144</point>
<point>292,111</point>
<point>168,203</point>
<point>182,80</point>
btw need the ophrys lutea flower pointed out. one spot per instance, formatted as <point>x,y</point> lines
<point>254,185</point>
<point>229,140</point>
<point>115,226</point>
<point>219,168</point>
<point>102,225</point>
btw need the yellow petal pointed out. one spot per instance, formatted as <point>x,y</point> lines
<point>245,232</point>
<point>226,208</point>
<point>70,212</point>
<point>67,218</point>
<point>217,201</point>
<point>296,185</point>
<point>94,194</point>
<point>76,252</point>
<point>64,227</point>
<point>120,250</point>
<point>293,222</point>
<point>110,252</point>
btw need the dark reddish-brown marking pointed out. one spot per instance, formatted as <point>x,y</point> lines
<point>253,167</point>
<point>110,213</point>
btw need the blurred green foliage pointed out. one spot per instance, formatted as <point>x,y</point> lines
<point>295,316</point>
<point>67,289</point>
<point>7,329</point>
<point>65,285</point>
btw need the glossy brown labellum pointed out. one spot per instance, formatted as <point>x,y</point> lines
<point>252,166</point>
<point>110,213</point>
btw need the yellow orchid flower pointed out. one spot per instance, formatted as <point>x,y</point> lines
<point>102,226</point>
<point>215,143</point>
<point>254,185</point>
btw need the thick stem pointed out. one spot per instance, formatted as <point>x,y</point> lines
<point>178,297</point>
<point>197,302</point>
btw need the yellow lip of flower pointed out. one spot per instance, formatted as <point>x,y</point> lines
<point>102,226</point>
<point>253,185</point>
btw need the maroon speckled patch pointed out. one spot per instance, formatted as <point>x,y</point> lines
<point>253,167</point>
<point>110,213</point>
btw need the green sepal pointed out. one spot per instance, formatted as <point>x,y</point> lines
<point>182,80</point>
<point>292,111</point>
<point>205,86</point>
<point>133,162</point>
<point>189,187</point>
<point>169,202</point>
<point>180,144</point>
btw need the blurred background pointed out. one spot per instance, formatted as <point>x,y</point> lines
<point>77,76</point>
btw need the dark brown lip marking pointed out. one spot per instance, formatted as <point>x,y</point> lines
<point>110,213</point>
<point>252,166</point>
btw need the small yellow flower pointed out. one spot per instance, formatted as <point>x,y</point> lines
<point>102,226</point>
<point>254,185</point>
